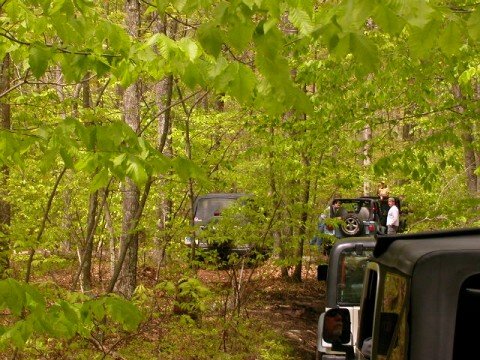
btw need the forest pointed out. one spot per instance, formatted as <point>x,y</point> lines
<point>117,115</point>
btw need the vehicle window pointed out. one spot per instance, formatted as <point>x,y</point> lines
<point>368,307</point>
<point>468,319</point>
<point>393,326</point>
<point>208,208</point>
<point>351,272</point>
<point>351,207</point>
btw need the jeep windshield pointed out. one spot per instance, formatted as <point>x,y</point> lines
<point>350,275</point>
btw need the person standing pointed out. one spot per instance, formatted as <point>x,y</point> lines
<point>332,211</point>
<point>383,190</point>
<point>335,209</point>
<point>393,219</point>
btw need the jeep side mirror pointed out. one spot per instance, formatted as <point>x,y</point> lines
<point>336,326</point>
<point>322,271</point>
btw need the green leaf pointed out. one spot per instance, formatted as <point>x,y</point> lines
<point>88,163</point>
<point>136,170</point>
<point>210,38</point>
<point>123,312</point>
<point>473,24</point>
<point>422,40</point>
<point>388,20</point>
<point>12,296</point>
<point>162,5</point>
<point>243,84</point>
<point>67,158</point>
<point>186,170</point>
<point>240,35</point>
<point>451,39</point>
<point>38,59</point>
<point>301,20</point>
<point>190,48</point>
<point>365,51</point>
<point>418,13</point>
<point>100,180</point>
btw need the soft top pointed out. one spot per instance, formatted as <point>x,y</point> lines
<point>403,251</point>
<point>438,263</point>
<point>222,195</point>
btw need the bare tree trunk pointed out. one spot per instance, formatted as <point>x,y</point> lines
<point>276,200</point>
<point>367,157</point>
<point>163,94</point>
<point>127,280</point>
<point>113,238</point>
<point>297,272</point>
<point>468,139</point>
<point>5,209</point>
<point>86,253</point>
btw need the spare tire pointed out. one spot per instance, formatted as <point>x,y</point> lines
<point>353,226</point>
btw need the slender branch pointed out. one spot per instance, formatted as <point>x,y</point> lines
<point>89,238</point>
<point>5,34</point>
<point>44,222</point>
<point>166,109</point>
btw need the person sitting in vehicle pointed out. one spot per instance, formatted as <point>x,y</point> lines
<point>333,326</point>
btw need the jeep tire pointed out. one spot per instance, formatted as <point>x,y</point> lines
<point>352,226</point>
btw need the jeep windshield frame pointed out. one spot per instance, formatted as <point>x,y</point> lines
<point>348,247</point>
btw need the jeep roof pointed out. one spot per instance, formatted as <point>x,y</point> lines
<point>437,265</point>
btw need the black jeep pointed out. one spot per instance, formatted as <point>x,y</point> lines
<point>420,299</point>
<point>366,215</point>
<point>223,222</point>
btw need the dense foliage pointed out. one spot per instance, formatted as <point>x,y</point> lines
<point>116,115</point>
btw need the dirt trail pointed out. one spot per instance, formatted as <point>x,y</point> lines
<point>293,309</point>
<point>290,308</point>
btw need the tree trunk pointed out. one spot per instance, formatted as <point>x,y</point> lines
<point>163,95</point>
<point>127,280</point>
<point>86,258</point>
<point>277,236</point>
<point>297,272</point>
<point>367,158</point>
<point>468,139</point>
<point>5,209</point>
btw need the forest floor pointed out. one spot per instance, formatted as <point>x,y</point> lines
<point>289,308</point>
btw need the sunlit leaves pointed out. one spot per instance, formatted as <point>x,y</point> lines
<point>474,24</point>
<point>211,38</point>
<point>301,20</point>
<point>388,20</point>
<point>38,59</point>
<point>30,315</point>
<point>101,151</point>
<point>450,38</point>
<point>417,12</point>
<point>423,40</point>
<point>364,50</point>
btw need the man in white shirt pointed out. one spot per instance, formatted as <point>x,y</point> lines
<point>392,218</point>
